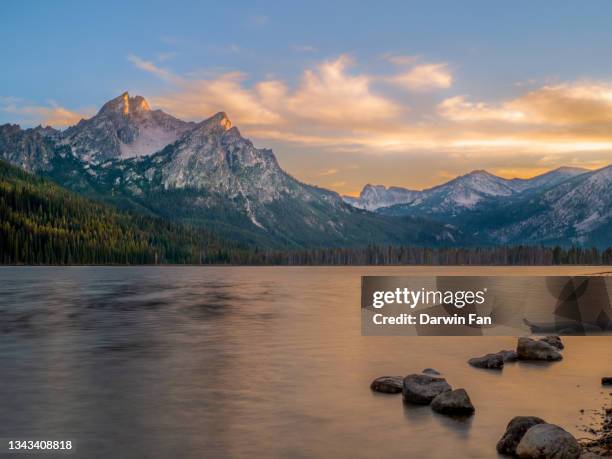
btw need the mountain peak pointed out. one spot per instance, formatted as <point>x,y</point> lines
<point>126,105</point>
<point>222,120</point>
<point>218,123</point>
<point>481,172</point>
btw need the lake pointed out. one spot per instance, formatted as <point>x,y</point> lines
<point>256,362</point>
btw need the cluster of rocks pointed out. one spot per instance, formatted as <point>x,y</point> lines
<point>530,437</point>
<point>546,349</point>
<point>427,388</point>
<point>526,437</point>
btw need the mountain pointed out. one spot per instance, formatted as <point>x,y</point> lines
<point>373,197</point>
<point>124,127</point>
<point>547,180</point>
<point>564,206</point>
<point>30,149</point>
<point>464,192</point>
<point>473,191</point>
<point>206,174</point>
<point>578,211</point>
<point>44,223</point>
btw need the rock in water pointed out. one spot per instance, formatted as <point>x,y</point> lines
<point>489,361</point>
<point>554,341</point>
<point>431,371</point>
<point>509,356</point>
<point>529,349</point>
<point>606,381</point>
<point>388,384</point>
<point>548,441</point>
<point>456,402</point>
<point>514,433</point>
<point>422,389</point>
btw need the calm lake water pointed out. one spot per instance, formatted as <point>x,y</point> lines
<point>221,362</point>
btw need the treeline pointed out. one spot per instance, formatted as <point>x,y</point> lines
<point>389,255</point>
<point>42,223</point>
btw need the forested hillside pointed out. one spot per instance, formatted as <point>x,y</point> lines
<point>42,223</point>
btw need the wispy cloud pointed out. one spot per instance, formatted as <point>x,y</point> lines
<point>329,172</point>
<point>48,115</point>
<point>425,77</point>
<point>400,59</point>
<point>151,67</point>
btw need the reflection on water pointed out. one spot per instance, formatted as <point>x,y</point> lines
<point>267,362</point>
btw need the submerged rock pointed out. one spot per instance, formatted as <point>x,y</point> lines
<point>548,441</point>
<point>388,384</point>
<point>554,341</point>
<point>530,349</point>
<point>456,402</point>
<point>422,389</point>
<point>514,433</point>
<point>489,361</point>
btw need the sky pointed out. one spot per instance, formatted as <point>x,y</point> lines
<point>396,93</point>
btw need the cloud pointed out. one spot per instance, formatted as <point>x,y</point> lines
<point>331,95</point>
<point>51,115</point>
<point>150,67</point>
<point>567,104</point>
<point>335,107</point>
<point>425,78</point>
<point>400,59</point>
<point>328,172</point>
<point>327,97</point>
<point>201,98</point>
<point>458,108</point>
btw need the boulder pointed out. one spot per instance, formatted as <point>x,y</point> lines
<point>388,384</point>
<point>422,389</point>
<point>489,361</point>
<point>530,349</point>
<point>606,381</point>
<point>456,402</point>
<point>514,433</point>
<point>548,441</point>
<point>430,371</point>
<point>509,355</point>
<point>554,341</point>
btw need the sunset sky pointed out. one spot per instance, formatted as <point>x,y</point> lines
<point>393,93</point>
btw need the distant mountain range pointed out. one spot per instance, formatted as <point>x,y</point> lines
<point>206,174</point>
<point>464,192</point>
<point>563,206</point>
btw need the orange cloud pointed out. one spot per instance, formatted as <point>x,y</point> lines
<point>425,78</point>
<point>328,97</point>
<point>337,108</point>
<point>52,115</point>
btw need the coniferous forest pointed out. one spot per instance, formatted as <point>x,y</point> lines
<point>43,223</point>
